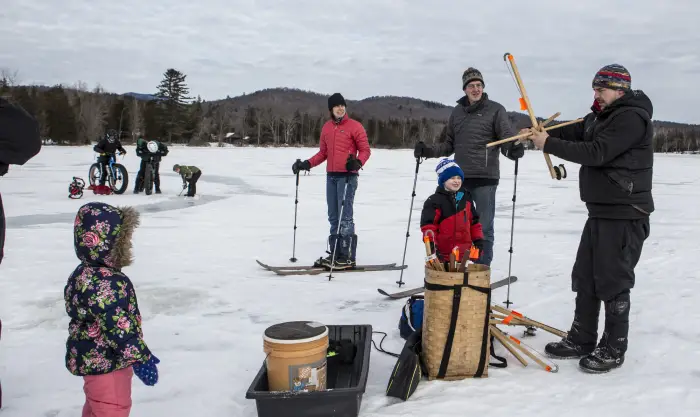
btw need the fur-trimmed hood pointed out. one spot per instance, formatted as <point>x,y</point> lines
<point>102,234</point>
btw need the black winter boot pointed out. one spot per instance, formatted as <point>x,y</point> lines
<point>610,353</point>
<point>326,262</point>
<point>345,256</point>
<point>581,338</point>
<point>603,359</point>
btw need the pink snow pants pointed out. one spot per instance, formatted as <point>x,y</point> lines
<point>108,395</point>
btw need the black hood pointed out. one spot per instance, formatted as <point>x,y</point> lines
<point>633,98</point>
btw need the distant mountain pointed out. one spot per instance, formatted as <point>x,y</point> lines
<point>141,96</point>
<point>288,100</point>
<point>285,101</point>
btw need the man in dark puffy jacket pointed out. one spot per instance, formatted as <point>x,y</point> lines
<point>475,121</point>
<point>19,142</point>
<point>345,146</point>
<point>613,145</point>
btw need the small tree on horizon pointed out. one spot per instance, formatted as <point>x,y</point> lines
<point>172,94</point>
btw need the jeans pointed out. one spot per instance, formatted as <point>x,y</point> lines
<point>335,187</point>
<point>485,201</point>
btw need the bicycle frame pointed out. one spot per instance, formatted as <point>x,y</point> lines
<point>110,172</point>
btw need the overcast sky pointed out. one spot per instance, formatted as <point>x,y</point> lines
<point>363,48</point>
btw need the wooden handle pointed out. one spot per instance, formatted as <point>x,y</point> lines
<point>529,321</point>
<point>551,118</point>
<point>531,355</point>
<point>506,344</point>
<point>523,92</point>
<point>526,134</point>
<point>530,112</point>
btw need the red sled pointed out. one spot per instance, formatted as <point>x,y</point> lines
<point>102,189</point>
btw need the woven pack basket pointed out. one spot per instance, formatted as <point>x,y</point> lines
<point>456,334</point>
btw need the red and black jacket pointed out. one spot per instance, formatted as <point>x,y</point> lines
<point>454,222</point>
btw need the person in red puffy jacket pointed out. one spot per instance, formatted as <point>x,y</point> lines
<point>450,214</point>
<point>345,147</point>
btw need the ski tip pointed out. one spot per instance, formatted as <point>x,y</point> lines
<point>382,292</point>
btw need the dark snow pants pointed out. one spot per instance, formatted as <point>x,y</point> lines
<point>192,184</point>
<point>604,272</point>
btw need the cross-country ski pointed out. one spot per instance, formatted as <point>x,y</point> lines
<point>418,290</point>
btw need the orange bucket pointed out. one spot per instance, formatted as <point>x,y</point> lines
<point>296,356</point>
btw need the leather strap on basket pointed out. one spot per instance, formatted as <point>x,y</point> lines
<point>456,301</point>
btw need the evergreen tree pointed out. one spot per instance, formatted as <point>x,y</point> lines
<point>193,119</point>
<point>62,126</point>
<point>172,95</point>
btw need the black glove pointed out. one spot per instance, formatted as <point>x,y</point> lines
<point>299,165</point>
<point>514,150</point>
<point>421,150</point>
<point>3,169</point>
<point>353,164</point>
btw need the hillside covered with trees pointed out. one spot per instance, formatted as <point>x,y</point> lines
<point>76,114</point>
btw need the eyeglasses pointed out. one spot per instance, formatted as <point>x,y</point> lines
<point>477,86</point>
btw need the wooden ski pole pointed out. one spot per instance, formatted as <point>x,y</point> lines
<point>518,344</point>
<point>555,173</point>
<point>527,134</point>
<point>515,315</point>
<point>506,344</point>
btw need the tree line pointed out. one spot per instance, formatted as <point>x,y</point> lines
<point>78,115</point>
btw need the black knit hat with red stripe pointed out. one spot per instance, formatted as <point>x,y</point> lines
<point>614,76</point>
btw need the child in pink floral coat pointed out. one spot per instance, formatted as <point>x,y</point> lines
<point>105,343</point>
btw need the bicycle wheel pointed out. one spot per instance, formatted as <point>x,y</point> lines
<point>120,180</point>
<point>94,174</point>
<point>148,179</point>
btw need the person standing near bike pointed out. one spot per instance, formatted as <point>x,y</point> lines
<point>146,150</point>
<point>107,147</point>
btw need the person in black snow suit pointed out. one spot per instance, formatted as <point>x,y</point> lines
<point>107,147</point>
<point>20,141</point>
<point>145,150</point>
<point>613,145</point>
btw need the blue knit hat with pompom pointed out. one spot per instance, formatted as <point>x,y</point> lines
<point>446,169</point>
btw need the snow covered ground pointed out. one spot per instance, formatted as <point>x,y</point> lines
<point>205,302</point>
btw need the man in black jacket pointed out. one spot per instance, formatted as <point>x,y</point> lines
<point>475,121</point>
<point>19,142</point>
<point>613,145</point>
<point>107,147</point>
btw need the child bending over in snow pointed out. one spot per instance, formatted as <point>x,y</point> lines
<point>190,174</point>
<point>450,213</point>
<point>105,343</point>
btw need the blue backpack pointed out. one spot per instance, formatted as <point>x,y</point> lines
<point>411,316</point>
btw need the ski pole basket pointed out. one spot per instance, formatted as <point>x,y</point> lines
<point>456,337</point>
